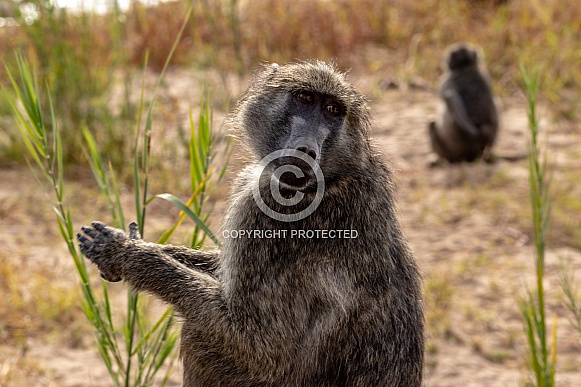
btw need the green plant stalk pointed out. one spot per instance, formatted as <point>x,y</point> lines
<point>141,208</point>
<point>50,162</point>
<point>202,141</point>
<point>200,161</point>
<point>34,133</point>
<point>542,358</point>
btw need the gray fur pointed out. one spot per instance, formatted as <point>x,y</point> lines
<point>470,121</point>
<point>287,311</point>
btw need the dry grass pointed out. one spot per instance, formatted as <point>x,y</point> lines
<point>37,304</point>
<point>86,58</point>
<point>236,35</point>
<point>467,223</point>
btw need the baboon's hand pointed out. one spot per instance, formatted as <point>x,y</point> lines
<point>103,245</point>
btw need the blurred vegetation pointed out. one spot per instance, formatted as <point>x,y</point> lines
<point>78,58</point>
<point>86,58</point>
<point>237,35</point>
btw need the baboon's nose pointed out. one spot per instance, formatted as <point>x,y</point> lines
<point>305,149</point>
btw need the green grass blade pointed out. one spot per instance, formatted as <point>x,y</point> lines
<point>542,355</point>
<point>178,203</point>
<point>196,162</point>
<point>145,339</point>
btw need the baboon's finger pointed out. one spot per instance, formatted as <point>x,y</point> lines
<point>83,239</point>
<point>102,227</point>
<point>85,245</point>
<point>134,231</point>
<point>90,231</point>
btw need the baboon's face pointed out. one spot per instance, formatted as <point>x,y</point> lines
<point>307,108</point>
<point>311,119</point>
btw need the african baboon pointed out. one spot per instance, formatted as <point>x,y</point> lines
<point>330,299</point>
<point>470,120</point>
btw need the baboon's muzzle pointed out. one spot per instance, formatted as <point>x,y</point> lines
<point>294,173</point>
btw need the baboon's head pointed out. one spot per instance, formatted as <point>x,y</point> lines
<point>461,55</point>
<point>308,107</point>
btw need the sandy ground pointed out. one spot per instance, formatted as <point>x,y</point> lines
<point>475,262</point>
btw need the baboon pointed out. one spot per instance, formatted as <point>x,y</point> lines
<point>330,299</point>
<point>470,121</point>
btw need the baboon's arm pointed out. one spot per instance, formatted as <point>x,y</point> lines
<point>197,296</point>
<point>146,267</point>
<point>458,111</point>
<point>204,261</point>
<point>107,242</point>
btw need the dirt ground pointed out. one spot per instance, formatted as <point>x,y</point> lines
<point>476,258</point>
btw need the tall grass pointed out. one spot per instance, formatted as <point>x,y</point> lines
<point>230,34</point>
<point>48,157</point>
<point>542,353</point>
<point>83,55</point>
<point>134,352</point>
<point>369,34</point>
<point>80,57</point>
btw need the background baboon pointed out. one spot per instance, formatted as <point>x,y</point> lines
<point>289,311</point>
<point>470,120</point>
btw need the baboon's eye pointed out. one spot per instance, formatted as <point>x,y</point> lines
<point>334,109</point>
<point>306,97</point>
